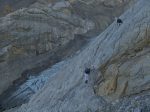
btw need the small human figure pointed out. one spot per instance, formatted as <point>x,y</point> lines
<point>86,75</point>
<point>119,21</point>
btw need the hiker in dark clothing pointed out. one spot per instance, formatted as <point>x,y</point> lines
<point>87,70</point>
<point>86,75</point>
<point>119,21</point>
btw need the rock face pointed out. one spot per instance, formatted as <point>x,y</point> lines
<point>120,55</point>
<point>31,36</point>
<point>20,94</point>
<point>8,6</point>
<point>34,38</point>
<point>101,12</point>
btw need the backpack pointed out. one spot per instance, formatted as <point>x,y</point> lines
<point>119,21</point>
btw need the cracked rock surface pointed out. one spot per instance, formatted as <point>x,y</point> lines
<point>120,55</point>
<point>41,33</point>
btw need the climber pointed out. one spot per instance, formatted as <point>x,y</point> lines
<point>86,75</point>
<point>119,21</point>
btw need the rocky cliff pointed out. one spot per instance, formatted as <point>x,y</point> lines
<point>8,6</point>
<point>34,38</point>
<point>120,80</point>
<point>30,37</point>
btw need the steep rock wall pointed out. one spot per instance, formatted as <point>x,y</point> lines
<point>66,91</point>
<point>34,38</point>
